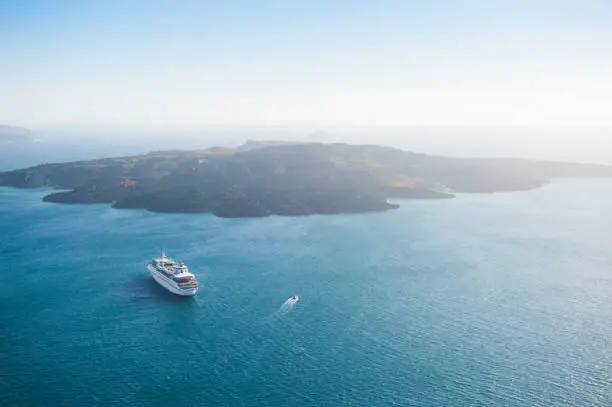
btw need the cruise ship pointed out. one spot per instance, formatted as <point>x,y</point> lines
<point>174,276</point>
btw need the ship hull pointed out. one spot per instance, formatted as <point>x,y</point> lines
<point>170,285</point>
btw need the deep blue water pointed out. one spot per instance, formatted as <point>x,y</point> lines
<point>485,300</point>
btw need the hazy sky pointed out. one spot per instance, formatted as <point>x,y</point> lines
<point>306,62</point>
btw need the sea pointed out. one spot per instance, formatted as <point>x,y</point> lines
<point>484,300</point>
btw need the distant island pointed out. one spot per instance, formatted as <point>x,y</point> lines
<point>13,134</point>
<point>290,179</point>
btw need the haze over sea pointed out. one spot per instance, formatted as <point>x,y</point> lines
<point>482,300</point>
<point>589,144</point>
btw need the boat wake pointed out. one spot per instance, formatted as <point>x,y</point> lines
<point>288,305</point>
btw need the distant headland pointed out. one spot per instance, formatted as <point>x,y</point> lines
<point>276,178</point>
<point>15,134</point>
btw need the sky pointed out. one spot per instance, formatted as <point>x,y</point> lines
<point>306,63</point>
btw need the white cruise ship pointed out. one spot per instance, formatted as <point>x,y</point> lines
<point>173,276</point>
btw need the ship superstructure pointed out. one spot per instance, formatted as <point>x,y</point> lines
<point>174,276</point>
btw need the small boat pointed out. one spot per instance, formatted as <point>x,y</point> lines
<point>293,299</point>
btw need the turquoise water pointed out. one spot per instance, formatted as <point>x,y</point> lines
<point>485,300</point>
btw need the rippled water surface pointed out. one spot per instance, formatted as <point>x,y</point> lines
<point>483,300</point>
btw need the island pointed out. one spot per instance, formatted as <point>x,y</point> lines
<point>281,178</point>
<point>11,134</point>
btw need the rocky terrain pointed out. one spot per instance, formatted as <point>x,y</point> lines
<point>265,178</point>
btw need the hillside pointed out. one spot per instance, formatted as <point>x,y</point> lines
<point>264,178</point>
